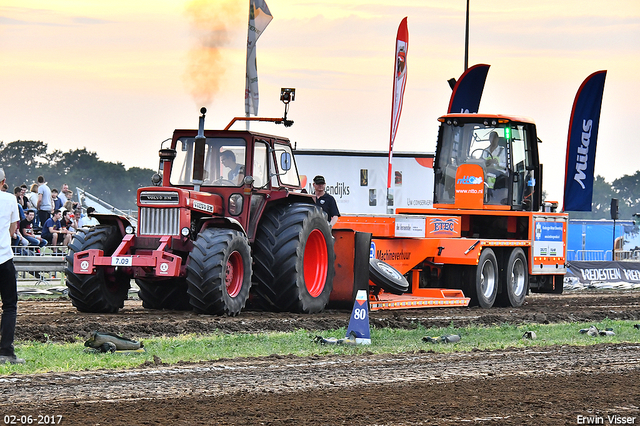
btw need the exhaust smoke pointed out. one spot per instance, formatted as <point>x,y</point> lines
<point>212,23</point>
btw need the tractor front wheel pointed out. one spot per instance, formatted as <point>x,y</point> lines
<point>219,272</point>
<point>106,290</point>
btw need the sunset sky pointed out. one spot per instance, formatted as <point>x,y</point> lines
<point>117,77</point>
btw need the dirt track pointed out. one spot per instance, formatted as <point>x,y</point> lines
<point>541,387</point>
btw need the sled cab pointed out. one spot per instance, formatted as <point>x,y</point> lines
<point>487,162</point>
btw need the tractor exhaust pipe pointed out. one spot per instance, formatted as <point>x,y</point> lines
<point>198,155</point>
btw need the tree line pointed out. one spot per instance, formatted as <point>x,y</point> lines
<point>626,189</point>
<point>24,161</point>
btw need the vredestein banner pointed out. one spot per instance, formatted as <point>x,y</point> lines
<point>581,144</point>
<point>604,271</point>
<point>467,91</point>
<point>399,83</point>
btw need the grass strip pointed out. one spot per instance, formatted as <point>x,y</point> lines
<point>58,357</point>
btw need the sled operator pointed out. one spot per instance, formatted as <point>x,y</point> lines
<point>325,200</point>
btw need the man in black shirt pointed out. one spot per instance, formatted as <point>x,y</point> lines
<point>325,200</point>
<point>26,229</point>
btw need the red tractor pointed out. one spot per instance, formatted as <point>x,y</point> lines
<point>226,210</point>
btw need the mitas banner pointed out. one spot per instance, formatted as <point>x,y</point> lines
<point>467,91</point>
<point>399,83</point>
<point>581,144</point>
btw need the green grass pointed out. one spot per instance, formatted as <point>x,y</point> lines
<point>45,357</point>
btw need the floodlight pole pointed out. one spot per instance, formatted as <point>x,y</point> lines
<point>466,41</point>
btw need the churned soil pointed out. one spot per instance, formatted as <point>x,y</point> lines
<point>59,321</point>
<point>538,386</point>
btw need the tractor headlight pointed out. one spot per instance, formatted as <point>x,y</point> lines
<point>129,229</point>
<point>185,232</point>
<point>235,204</point>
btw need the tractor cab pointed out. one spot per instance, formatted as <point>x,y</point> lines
<point>487,162</point>
<point>230,157</point>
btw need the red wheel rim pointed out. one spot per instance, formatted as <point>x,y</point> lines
<point>316,263</point>
<point>234,275</point>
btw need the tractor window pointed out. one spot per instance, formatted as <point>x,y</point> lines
<point>286,165</point>
<point>232,161</point>
<point>473,143</point>
<point>224,161</point>
<point>522,162</point>
<point>260,165</point>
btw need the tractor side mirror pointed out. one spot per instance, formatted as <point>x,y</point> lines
<point>285,161</point>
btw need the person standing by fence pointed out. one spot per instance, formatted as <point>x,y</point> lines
<point>45,201</point>
<point>9,218</point>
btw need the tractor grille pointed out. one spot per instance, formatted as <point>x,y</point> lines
<point>163,221</point>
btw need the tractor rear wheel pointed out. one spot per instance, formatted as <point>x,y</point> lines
<point>166,294</point>
<point>515,280</point>
<point>294,259</point>
<point>486,280</point>
<point>219,272</point>
<point>106,291</point>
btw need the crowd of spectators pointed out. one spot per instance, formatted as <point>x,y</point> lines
<point>48,217</point>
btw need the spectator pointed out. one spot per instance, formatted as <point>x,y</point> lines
<point>63,193</point>
<point>17,190</point>
<point>68,194</point>
<point>20,192</point>
<point>89,219</point>
<point>45,203</point>
<point>17,239</point>
<point>68,222</point>
<point>8,284</point>
<point>57,202</point>
<point>52,229</point>
<point>325,200</point>
<point>71,205</point>
<point>32,197</point>
<point>17,242</point>
<point>5,187</point>
<point>26,229</point>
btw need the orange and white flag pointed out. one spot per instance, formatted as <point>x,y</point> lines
<point>399,82</point>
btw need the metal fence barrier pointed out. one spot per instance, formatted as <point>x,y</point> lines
<point>47,263</point>
<point>595,255</point>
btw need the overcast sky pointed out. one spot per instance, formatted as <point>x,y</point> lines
<point>117,77</point>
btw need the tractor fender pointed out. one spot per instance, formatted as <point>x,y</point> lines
<point>121,222</point>
<point>223,222</point>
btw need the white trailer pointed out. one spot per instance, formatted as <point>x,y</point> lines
<point>358,179</point>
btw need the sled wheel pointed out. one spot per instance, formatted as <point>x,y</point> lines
<point>486,283</point>
<point>294,259</point>
<point>164,294</point>
<point>515,280</point>
<point>106,291</point>
<point>387,277</point>
<point>219,272</point>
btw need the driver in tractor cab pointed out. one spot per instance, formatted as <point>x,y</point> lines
<point>496,159</point>
<point>236,172</point>
<point>494,155</point>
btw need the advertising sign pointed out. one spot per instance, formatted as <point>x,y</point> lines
<point>548,241</point>
<point>358,179</point>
